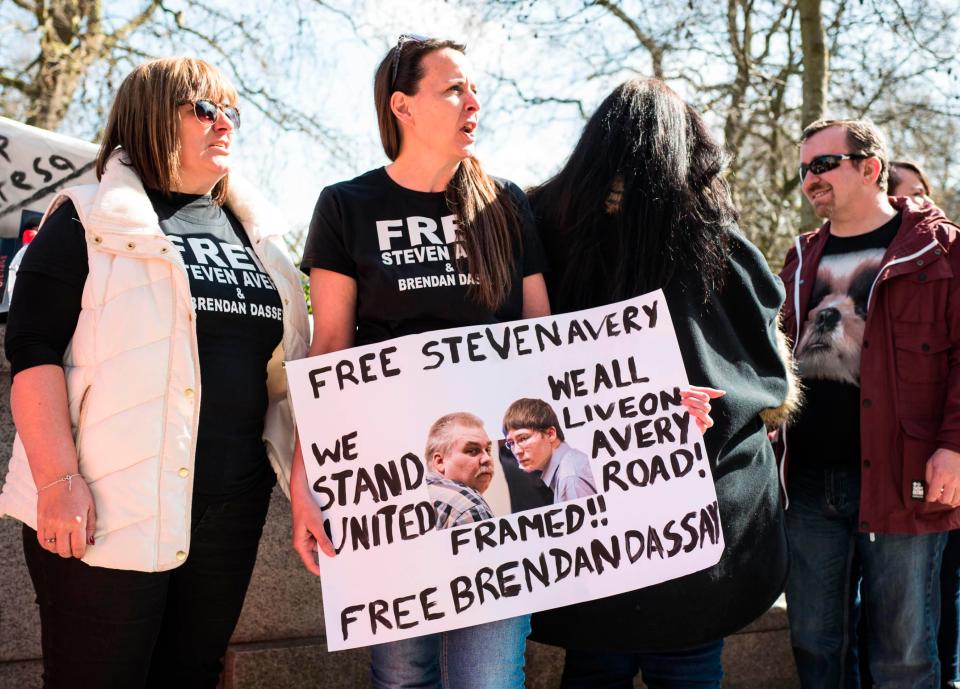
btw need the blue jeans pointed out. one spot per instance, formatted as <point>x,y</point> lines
<point>694,668</point>
<point>899,588</point>
<point>949,641</point>
<point>487,656</point>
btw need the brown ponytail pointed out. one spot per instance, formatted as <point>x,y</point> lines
<point>488,218</point>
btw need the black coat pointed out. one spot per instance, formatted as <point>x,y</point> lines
<point>727,342</point>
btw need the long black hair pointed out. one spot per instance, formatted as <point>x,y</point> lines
<point>673,209</point>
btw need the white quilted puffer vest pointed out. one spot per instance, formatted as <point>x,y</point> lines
<point>133,377</point>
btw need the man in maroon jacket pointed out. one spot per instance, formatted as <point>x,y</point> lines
<point>872,465</point>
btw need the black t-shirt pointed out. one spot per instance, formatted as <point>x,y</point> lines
<point>827,430</point>
<point>400,247</point>
<point>239,325</point>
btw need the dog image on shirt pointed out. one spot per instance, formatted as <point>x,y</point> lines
<point>832,336</point>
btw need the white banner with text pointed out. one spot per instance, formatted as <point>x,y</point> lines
<point>34,165</point>
<point>480,473</point>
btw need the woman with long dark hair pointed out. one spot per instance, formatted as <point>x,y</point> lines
<point>642,205</point>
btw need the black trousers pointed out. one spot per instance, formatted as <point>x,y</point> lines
<point>109,628</point>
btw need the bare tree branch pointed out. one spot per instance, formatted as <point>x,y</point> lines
<point>541,100</point>
<point>655,49</point>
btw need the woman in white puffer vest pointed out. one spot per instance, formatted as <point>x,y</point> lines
<point>151,319</point>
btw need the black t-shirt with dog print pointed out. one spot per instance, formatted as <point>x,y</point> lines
<point>827,431</point>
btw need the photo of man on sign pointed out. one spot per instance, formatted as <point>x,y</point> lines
<point>460,469</point>
<point>535,437</point>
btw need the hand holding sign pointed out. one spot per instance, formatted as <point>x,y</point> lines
<point>697,401</point>
<point>308,533</point>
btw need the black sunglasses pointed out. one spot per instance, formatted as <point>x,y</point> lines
<point>404,38</point>
<point>208,112</point>
<point>826,163</point>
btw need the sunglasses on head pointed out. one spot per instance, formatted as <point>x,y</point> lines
<point>404,38</point>
<point>827,162</point>
<point>207,111</point>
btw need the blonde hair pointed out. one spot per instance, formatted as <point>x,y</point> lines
<point>143,119</point>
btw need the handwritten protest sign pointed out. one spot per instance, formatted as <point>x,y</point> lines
<point>611,375</point>
<point>34,165</point>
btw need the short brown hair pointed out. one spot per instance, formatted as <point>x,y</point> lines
<point>440,436</point>
<point>143,120</point>
<point>907,165</point>
<point>531,413</point>
<point>863,138</point>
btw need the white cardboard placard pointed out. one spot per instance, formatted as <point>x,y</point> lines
<point>611,374</point>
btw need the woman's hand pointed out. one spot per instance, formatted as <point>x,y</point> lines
<point>333,298</point>
<point>308,533</point>
<point>66,517</point>
<point>697,401</point>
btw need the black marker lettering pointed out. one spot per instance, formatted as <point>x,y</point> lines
<point>376,610</point>
<point>502,349</point>
<point>428,351</point>
<point>630,324</point>
<point>18,177</point>
<point>519,339</point>
<point>651,312</point>
<point>544,333</point>
<point>462,595</point>
<point>46,174</point>
<point>316,381</point>
<point>347,616</point>
<point>399,612</point>
<point>61,163</point>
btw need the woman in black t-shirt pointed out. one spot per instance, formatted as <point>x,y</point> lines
<point>146,337</point>
<point>430,241</point>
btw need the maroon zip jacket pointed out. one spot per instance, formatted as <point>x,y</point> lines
<point>909,365</point>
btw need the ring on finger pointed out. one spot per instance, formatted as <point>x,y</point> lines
<point>50,541</point>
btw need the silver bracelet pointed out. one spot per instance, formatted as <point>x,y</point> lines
<point>68,478</point>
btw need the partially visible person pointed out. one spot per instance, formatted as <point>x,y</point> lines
<point>460,468</point>
<point>641,205</point>
<point>148,391</point>
<point>872,469</point>
<point>535,437</point>
<point>907,178</point>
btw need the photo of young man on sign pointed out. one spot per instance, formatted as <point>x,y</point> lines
<point>535,437</point>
